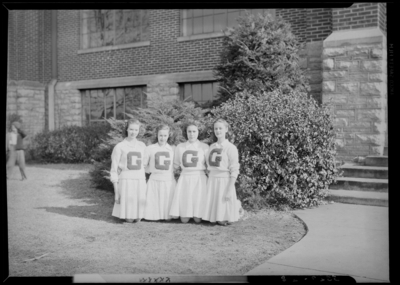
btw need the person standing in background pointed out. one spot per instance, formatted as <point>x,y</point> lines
<point>17,150</point>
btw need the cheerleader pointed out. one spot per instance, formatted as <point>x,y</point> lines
<point>221,203</point>
<point>161,184</point>
<point>190,156</point>
<point>128,175</point>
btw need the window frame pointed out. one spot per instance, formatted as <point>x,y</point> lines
<point>182,87</point>
<point>87,92</point>
<point>113,46</point>
<point>214,33</point>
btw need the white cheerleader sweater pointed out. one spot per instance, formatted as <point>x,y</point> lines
<point>159,162</point>
<point>223,160</point>
<point>128,159</point>
<point>191,157</point>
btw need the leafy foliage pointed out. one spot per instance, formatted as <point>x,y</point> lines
<point>286,147</point>
<point>174,113</point>
<point>261,53</point>
<point>69,144</point>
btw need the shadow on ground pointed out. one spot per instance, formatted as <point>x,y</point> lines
<point>100,202</point>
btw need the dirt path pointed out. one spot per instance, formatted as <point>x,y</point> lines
<point>57,212</point>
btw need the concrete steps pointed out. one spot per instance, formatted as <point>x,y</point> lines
<point>363,183</point>
<point>359,197</point>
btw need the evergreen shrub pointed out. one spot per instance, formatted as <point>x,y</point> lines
<point>69,144</point>
<point>286,146</point>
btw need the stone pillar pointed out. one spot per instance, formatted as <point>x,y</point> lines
<point>68,107</point>
<point>355,82</point>
<point>26,99</point>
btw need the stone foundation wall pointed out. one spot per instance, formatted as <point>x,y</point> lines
<point>68,107</point>
<point>169,90</point>
<point>27,99</point>
<point>355,83</point>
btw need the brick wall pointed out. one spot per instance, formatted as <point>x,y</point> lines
<point>297,19</point>
<point>319,24</point>
<point>29,46</point>
<point>164,55</point>
<point>382,17</point>
<point>359,15</point>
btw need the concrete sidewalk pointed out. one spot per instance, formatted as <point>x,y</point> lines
<point>342,239</point>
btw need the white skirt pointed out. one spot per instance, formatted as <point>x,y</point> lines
<point>190,196</point>
<point>217,210</point>
<point>159,199</point>
<point>132,199</point>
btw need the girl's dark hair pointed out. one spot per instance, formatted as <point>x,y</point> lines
<point>188,124</point>
<point>229,135</point>
<point>160,128</point>
<point>132,122</point>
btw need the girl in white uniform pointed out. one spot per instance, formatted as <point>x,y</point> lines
<point>190,156</point>
<point>161,184</point>
<point>128,175</point>
<point>223,163</point>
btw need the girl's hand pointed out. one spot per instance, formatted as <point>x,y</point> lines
<point>117,199</point>
<point>228,194</point>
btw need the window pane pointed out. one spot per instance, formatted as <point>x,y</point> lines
<point>87,13</point>
<point>95,40</point>
<point>220,22</point>
<point>145,25</point>
<point>144,97</point>
<point>133,98</point>
<point>232,19</point>
<point>128,16</point>
<point>187,27</point>
<point>207,93</point>
<point>119,102</point>
<point>108,38</point>
<point>220,11</point>
<point>132,35</point>
<point>196,88</point>
<point>85,108</point>
<point>208,11</point>
<point>197,12</point>
<point>119,19</point>
<point>215,87</point>
<point>187,13</point>
<point>119,37</point>
<point>197,26</point>
<point>92,25</point>
<point>187,91</point>
<point>85,41</point>
<point>109,95</point>
<point>136,18</point>
<point>108,20</point>
<point>96,105</point>
<point>208,24</point>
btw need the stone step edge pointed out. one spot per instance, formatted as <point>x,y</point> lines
<point>358,201</point>
<point>364,180</point>
<point>358,194</point>
<point>364,167</point>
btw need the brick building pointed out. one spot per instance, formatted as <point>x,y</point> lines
<point>76,66</point>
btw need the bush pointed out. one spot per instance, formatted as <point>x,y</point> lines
<point>260,53</point>
<point>286,148</point>
<point>69,144</point>
<point>161,111</point>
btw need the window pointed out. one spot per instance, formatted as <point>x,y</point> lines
<point>98,104</point>
<point>200,92</point>
<point>203,21</point>
<point>101,28</point>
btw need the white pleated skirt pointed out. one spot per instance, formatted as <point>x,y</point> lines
<point>132,199</point>
<point>190,196</point>
<point>215,209</point>
<point>159,199</point>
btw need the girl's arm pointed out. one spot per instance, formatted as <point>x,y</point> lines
<point>115,159</point>
<point>233,160</point>
<point>146,159</point>
<point>177,163</point>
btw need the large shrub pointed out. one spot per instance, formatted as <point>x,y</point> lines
<point>260,53</point>
<point>69,144</point>
<point>286,147</point>
<point>160,111</point>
